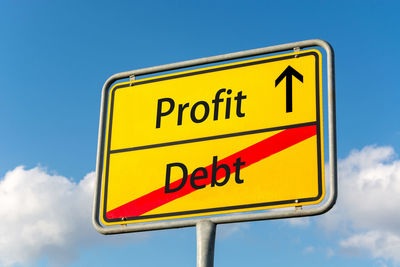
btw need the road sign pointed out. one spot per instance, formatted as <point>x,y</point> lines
<point>230,138</point>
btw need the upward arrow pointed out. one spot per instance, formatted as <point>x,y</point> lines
<point>288,73</point>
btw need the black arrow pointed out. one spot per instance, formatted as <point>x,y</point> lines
<point>288,73</point>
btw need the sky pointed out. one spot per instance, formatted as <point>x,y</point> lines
<point>54,59</point>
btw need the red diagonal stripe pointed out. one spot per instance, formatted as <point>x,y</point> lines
<point>249,155</point>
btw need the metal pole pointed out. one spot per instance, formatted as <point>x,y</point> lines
<point>205,231</point>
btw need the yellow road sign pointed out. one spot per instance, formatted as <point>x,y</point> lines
<point>230,138</point>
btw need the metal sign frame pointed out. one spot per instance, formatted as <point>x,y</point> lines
<point>268,215</point>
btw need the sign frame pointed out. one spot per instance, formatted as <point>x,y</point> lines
<point>266,215</point>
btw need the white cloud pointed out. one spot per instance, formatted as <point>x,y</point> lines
<point>45,215</point>
<point>300,222</point>
<point>330,253</point>
<point>367,210</point>
<point>384,245</point>
<point>308,250</point>
<point>227,230</point>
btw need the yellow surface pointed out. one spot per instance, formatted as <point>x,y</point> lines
<point>289,174</point>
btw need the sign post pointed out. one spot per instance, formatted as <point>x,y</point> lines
<point>217,144</point>
<point>205,231</point>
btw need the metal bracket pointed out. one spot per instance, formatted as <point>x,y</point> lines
<point>131,79</point>
<point>124,225</point>
<point>296,49</point>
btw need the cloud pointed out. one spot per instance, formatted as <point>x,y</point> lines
<point>308,250</point>
<point>367,211</point>
<point>330,253</point>
<point>227,230</point>
<point>384,245</point>
<point>45,215</point>
<point>299,222</point>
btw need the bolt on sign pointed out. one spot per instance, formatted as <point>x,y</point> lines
<point>231,138</point>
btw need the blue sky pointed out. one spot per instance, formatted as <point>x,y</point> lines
<point>55,57</point>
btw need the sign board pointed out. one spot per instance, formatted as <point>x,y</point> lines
<point>231,138</point>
